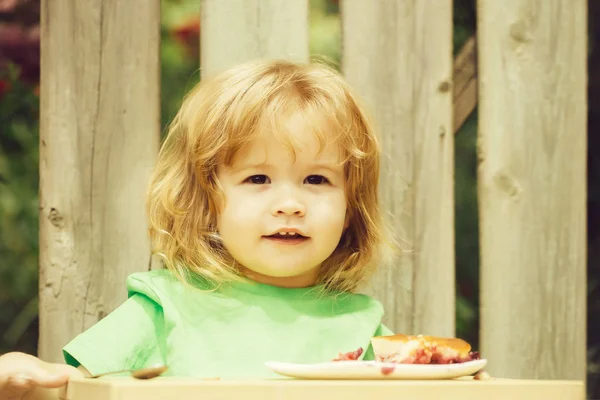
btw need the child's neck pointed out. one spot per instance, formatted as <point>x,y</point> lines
<point>301,281</point>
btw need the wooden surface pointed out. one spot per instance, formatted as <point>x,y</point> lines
<point>532,187</point>
<point>398,56</point>
<point>98,139</point>
<point>464,86</point>
<point>235,31</point>
<point>128,389</point>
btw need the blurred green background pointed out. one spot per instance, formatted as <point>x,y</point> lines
<point>180,30</point>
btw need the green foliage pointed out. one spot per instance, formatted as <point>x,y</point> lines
<point>180,64</point>
<point>18,212</point>
<point>466,232</point>
<point>325,35</point>
<point>178,75</point>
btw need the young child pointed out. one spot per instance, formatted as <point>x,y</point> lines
<point>264,208</point>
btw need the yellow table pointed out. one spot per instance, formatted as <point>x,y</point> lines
<point>289,389</point>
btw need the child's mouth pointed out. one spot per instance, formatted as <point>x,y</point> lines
<point>287,238</point>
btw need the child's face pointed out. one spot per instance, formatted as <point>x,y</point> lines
<point>268,192</point>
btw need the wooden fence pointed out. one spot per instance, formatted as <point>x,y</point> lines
<point>100,130</point>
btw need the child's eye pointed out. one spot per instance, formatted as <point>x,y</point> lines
<point>316,180</point>
<point>258,179</point>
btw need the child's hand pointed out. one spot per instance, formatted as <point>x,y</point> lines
<point>20,373</point>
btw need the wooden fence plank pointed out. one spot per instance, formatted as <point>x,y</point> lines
<point>99,135</point>
<point>532,187</point>
<point>235,31</point>
<point>398,54</point>
<point>465,83</point>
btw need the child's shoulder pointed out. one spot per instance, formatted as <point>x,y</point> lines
<point>159,277</point>
<point>155,284</point>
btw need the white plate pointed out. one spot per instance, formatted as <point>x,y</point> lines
<point>375,370</point>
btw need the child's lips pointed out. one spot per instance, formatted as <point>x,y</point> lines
<point>284,240</point>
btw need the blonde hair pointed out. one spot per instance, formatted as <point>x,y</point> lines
<point>222,114</point>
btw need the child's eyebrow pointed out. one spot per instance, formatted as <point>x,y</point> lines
<point>333,167</point>
<point>245,166</point>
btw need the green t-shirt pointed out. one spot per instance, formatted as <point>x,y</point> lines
<point>229,333</point>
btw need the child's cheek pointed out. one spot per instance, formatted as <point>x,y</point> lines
<point>331,213</point>
<point>241,212</point>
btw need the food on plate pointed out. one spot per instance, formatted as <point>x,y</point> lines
<point>408,349</point>
<point>482,376</point>
<point>351,356</point>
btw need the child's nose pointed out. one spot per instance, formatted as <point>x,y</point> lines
<point>289,206</point>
